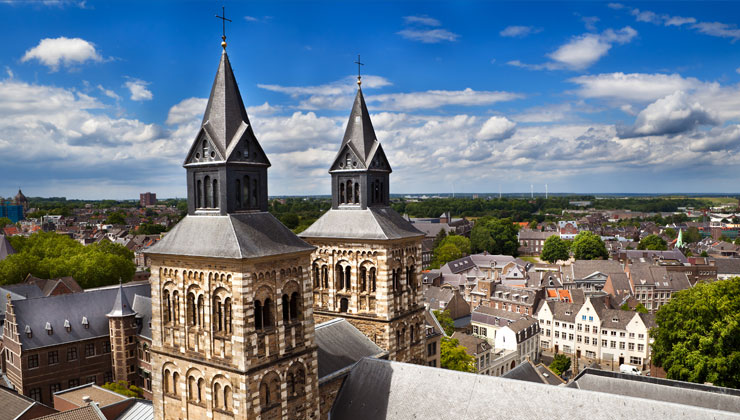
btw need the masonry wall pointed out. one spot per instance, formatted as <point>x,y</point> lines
<point>328,392</point>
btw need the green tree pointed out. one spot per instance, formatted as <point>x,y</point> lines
<point>441,235</point>
<point>454,357</point>
<point>625,307</point>
<point>150,229</point>
<point>653,243</point>
<point>123,388</point>
<point>725,238</point>
<point>290,220</point>
<point>588,246</point>
<point>496,236</point>
<point>445,320</point>
<point>462,243</point>
<point>697,338</point>
<point>704,254</point>
<point>4,221</point>
<point>641,308</point>
<point>671,233</point>
<point>444,254</point>
<point>737,241</point>
<point>116,218</point>
<point>560,364</point>
<point>555,249</point>
<point>691,235</point>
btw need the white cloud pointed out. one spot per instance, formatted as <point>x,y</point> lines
<point>109,93</point>
<point>53,52</point>
<point>519,31</point>
<point>186,110</point>
<point>615,6</point>
<point>138,89</point>
<point>633,86</point>
<point>496,129</point>
<point>583,51</point>
<point>718,29</point>
<point>421,20</point>
<point>678,21</point>
<point>590,22</point>
<point>428,36</point>
<point>339,87</point>
<point>673,114</point>
<point>250,19</point>
<point>716,140</point>
<point>438,98</point>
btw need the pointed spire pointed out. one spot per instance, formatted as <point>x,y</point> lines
<point>360,135</point>
<point>121,306</point>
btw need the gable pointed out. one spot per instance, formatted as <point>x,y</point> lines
<point>203,150</point>
<point>379,160</point>
<point>347,159</point>
<point>246,148</point>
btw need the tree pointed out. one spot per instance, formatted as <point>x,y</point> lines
<point>671,233</point>
<point>625,307</point>
<point>555,249</point>
<point>560,364</point>
<point>462,243</point>
<point>737,241</point>
<point>290,220</point>
<point>444,254</point>
<point>150,229</point>
<point>588,246</point>
<point>445,320</point>
<point>697,338</point>
<point>691,235</point>
<point>641,308</point>
<point>454,356</point>
<point>441,235</point>
<point>116,218</point>
<point>4,221</point>
<point>704,254</point>
<point>653,243</point>
<point>123,388</point>
<point>496,236</point>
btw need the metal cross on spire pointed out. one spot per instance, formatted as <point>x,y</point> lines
<point>359,76</point>
<point>223,22</point>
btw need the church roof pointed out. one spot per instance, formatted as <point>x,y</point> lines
<point>6,248</point>
<point>121,307</point>
<point>376,223</point>
<point>341,345</point>
<point>237,235</point>
<point>359,137</point>
<point>20,198</point>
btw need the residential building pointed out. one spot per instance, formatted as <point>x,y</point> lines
<point>479,349</point>
<point>446,299</point>
<point>531,241</point>
<point>727,268</point>
<point>568,229</point>
<point>147,199</point>
<point>6,249</point>
<point>653,285</point>
<point>521,336</point>
<point>434,334</point>
<point>590,275</point>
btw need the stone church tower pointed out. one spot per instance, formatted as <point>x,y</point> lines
<point>367,264</point>
<point>232,320</point>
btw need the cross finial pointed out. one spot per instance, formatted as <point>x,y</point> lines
<point>223,23</point>
<point>359,76</point>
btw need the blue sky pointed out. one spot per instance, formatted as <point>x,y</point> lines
<point>102,99</point>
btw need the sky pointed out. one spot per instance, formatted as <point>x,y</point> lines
<point>102,99</point>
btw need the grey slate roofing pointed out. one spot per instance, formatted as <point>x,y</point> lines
<point>581,269</point>
<point>549,376</point>
<point>360,135</point>
<point>13,404</point>
<point>539,374</point>
<point>621,284</point>
<point>139,410</point>
<point>88,412</point>
<point>379,389</point>
<point>728,266</point>
<point>17,292</point>
<point>121,307</point>
<point>563,311</point>
<point>341,345</point>
<point>431,229</point>
<point>658,389</point>
<point>239,235</point>
<point>493,316</point>
<point>373,223</point>
<point>645,273</point>
<point>437,297</point>
<point>673,254</point>
<point>92,304</point>
<point>5,248</point>
<point>143,307</point>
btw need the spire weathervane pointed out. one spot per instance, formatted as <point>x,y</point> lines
<point>223,29</point>
<point>359,76</point>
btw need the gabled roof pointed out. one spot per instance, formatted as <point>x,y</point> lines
<point>6,248</point>
<point>238,235</point>
<point>727,266</point>
<point>341,345</point>
<point>88,412</point>
<point>143,307</point>
<point>582,269</point>
<point>360,141</point>
<point>373,223</point>
<point>539,374</point>
<point>14,404</point>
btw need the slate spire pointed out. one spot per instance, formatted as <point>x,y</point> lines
<point>121,307</point>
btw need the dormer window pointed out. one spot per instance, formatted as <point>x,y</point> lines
<point>49,329</point>
<point>615,319</point>
<point>67,325</point>
<point>29,334</point>
<point>85,322</point>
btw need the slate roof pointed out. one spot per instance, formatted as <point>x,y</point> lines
<point>493,316</point>
<point>48,285</point>
<point>431,229</point>
<point>649,274</point>
<point>239,235</point>
<point>14,404</point>
<point>379,389</point>
<point>621,284</point>
<point>139,410</point>
<point>549,376</point>
<point>728,266</point>
<point>539,374</point>
<point>700,396</point>
<point>437,297</point>
<point>92,304</point>
<point>121,307</point>
<point>17,291</point>
<point>341,345</point>
<point>360,135</point>
<point>373,223</point>
<point>473,345</point>
<point>5,247</point>
<point>560,310</point>
<point>673,254</point>
<point>143,307</point>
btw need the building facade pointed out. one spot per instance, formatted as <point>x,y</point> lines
<point>367,263</point>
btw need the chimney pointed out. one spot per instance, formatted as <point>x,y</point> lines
<point>86,399</point>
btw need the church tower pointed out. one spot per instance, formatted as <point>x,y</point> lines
<point>232,321</point>
<point>367,263</point>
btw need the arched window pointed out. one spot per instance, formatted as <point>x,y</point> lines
<point>207,191</point>
<point>192,311</point>
<point>349,191</point>
<point>341,193</point>
<point>411,332</point>
<point>227,315</point>
<point>255,192</point>
<point>296,381</point>
<point>258,325</point>
<point>412,277</point>
<point>363,279</point>
<point>372,279</point>
<point>217,395</point>
<point>228,398</point>
<point>176,307</point>
<point>265,395</point>
<point>245,191</point>
<point>200,311</point>
<point>286,308</point>
<point>238,195</point>
<point>316,278</point>
<point>347,160</point>
<point>192,389</point>
<point>166,382</point>
<point>325,276</point>
<point>215,193</point>
<point>340,277</point>
<point>344,305</point>
<point>267,313</point>
<point>175,384</point>
<point>199,194</point>
<point>204,149</point>
<point>357,193</point>
<point>294,305</point>
<point>381,199</point>
<point>218,314</point>
<point>348,278</point>
<point>270,391</point>
<point>201,383</point>
<point>167,307</point>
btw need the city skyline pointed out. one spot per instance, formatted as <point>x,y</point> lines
<point>102,100</point>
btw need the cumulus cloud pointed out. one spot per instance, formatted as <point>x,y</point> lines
<point>519,31</point>
<point>632,86</point>
<point>584,50</point>
<point>62,51</point>
<point>720,139</point>
<point>339,87</point>
<point>426,29</point>
<point>718,29</point>
<point>138,89</point>
<point>109,93</point>
<point>671,115</point>
<point>186,110</point>
<point>496,129</point>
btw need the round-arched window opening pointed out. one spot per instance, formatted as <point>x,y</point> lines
<point>341,165</point>
<point>354,164</point>
<point>197,155</point>
<point>213,154</point>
